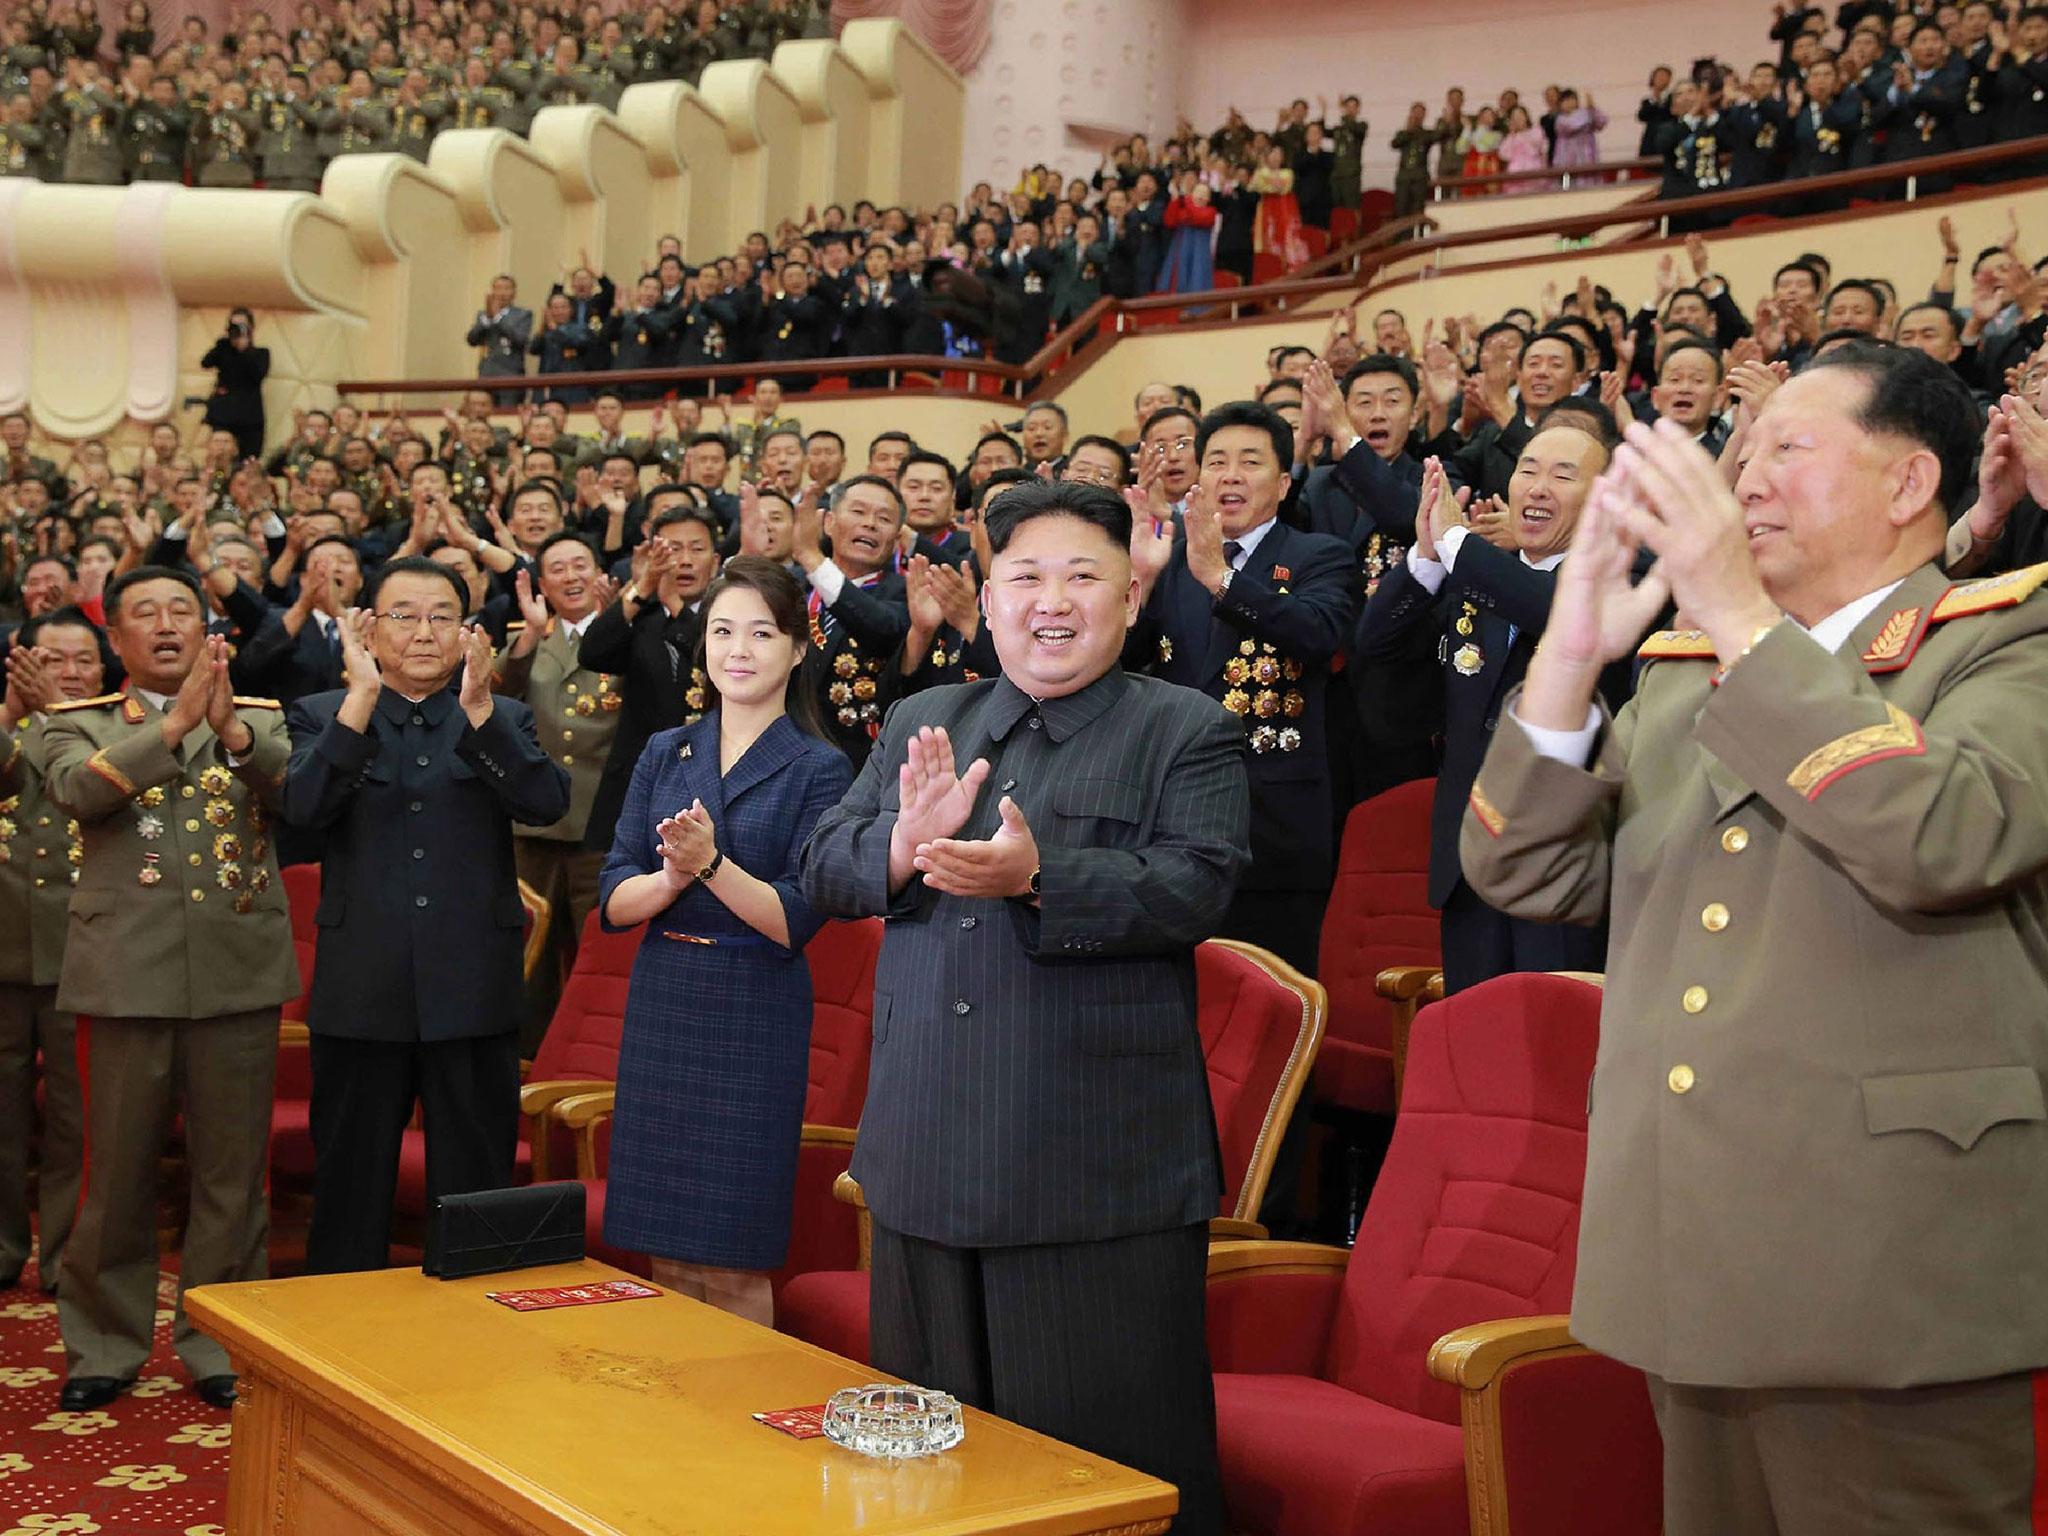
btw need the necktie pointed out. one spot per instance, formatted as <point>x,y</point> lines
<point>1231,551</point>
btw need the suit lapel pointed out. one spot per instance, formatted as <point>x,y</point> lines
<point>777,747</point>
<point>698,754</point>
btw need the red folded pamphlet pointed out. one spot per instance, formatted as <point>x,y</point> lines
<point>800,1423</point>
<point>542,1298</point>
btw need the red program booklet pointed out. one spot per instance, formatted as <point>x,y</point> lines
<point>542,1298</point>
<point>801,1423</point>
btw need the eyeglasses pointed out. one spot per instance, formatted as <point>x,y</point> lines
<point>405,618</point>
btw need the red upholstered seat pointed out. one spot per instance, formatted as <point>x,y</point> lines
<point>581,1046</point>
<point>302,900</point>
<point>1317,241</point>
<point>1343,225</point>
<point>823,1234</point>
<point>291,1139</point>
<point>1379,916</point>
<point>1375,207</point>
<point>1267,268</point>
<point>1475,1217</point>
<point>1260,1024</point>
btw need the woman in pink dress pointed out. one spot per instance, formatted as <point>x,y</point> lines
<point>1524,149</point>
<point>1578,131</point>
<point>1278,230</point>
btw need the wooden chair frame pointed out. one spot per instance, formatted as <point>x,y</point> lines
<point>1407,987</point>
<point>1476,1360</point>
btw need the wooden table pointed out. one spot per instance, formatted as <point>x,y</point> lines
<point>394,1403</point>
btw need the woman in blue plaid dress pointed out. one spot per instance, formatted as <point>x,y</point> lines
<point>715,1052</point>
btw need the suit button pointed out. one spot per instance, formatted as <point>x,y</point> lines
<point>1695,1000</point>
<point>41,882</point>
<point>191,826</point>
<point>1008,785</point>
<point>963,1007</point>
<point>417,805</point>
<point>1714,917</point>
<point>422,761</point>
<point>188,791</point>
<point>568,735</point>
<point>1681,1078</point>
<point>1735,839</point>
<point>572,687</point>
<point>969,922</point>
<point>419,853</point>
<point>419,901</point>
<point>190,858</point>
<point>568,760</point>
<point>197,894</point>
<point>44,853</point>
<point>42,821</point>
<point>1035,723</point>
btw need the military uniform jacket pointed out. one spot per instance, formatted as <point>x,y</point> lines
<point>1263,650</point>
<point>1037,1075</point>
<point>1817,1126</point>
<point>503,338</point>
<point>420,920</point>
<point>178,912</point>
<point>156,142</point>
<point>92,152</point>
<point>575,712</point>
<point>40,855</point>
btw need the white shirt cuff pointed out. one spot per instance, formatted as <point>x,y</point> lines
<point>1573,747</point>
<point>1449,545</point>
<point>273,527</point>
<point>828,581</point>
<point>1428,573</point>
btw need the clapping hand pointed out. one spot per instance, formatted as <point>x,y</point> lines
<point>358,661</point>
<point>934,801</point>
<point>1596,616</point>
<point>688,843</point>
<point>1203,525</point>
<point>475,697</point>
<point>194,699</point>
<point>1151,539</point>
<point>926,614</point>
<point>533,608</point>
<point>220,702</point>
<point>994,869</point>
<point>30,685</point>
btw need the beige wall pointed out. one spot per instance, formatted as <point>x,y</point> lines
<point>919,107</point>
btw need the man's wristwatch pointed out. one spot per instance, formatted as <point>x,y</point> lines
<point>1032,884</point>
<point>717,858</point>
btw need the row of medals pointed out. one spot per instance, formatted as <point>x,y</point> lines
<point>9,828</point>
<point>1259,664</point>
<point>852,690</point>
<point>228,848</point>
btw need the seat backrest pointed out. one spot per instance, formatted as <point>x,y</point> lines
<point>1260,1021</point>
<point>1379,915</point>
<point>1476,1212</point>
<point>842,959</point>
<point>583,1037</point>
<point>302,899</point>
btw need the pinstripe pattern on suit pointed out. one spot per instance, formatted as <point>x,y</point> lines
<point>1037,1074</point>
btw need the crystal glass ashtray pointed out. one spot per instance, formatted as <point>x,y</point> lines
<point>894,1421</point>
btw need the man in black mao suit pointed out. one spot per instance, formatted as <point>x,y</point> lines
<point>1251,611</point>
<point>1038,1149</point>
<point>417,987</point>
<point>858,612</point>
<point>1488,607</point>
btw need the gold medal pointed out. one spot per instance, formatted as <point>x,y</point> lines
<point>864,688</point>
<point>609,703</point>
<point>845,664</point>
<point>1468,661</point>
<point>260,881</point>
<point>840,693</point>
<point>1266,704</point>
<point>215,781</point>
<point>259,850</point>
<point>849,716</point>
<point>76,854</point>
<point>1464,625</point>
<point>227,846</point>
<point>1267,671</point>
<point>1165,650</point>
<point>693,698</point>
<point>245,903</point>
<point>220,812</point>
<point>1291,670</point>
<point>228,877</point>
<point>586,706</point>
<point>151,797</point>
<point>1264,738</point>
<point>1236,701</point>
<point>8,828</point>
<point>1236,672</point>
<point>1292,704</point>
<point>1247,648</point>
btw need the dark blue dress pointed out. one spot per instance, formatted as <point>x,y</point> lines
<point>715,1052</point>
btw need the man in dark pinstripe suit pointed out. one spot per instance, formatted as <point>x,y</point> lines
<point>1037,1149</point>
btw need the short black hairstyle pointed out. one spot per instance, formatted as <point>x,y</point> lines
<point>71,616</point>
<point>1827,339</point>
<point>1189,396</point>
<point>1166,412</point>
<point>927,456</point>
<point>552,489</point>
<point>769,436</point>
<point>1001,478</point>
<point>1499,328</point>
<point>1574,409</point>
<point>70,566</point>
<point>554,458</point>
<point>564,536</point>
<point>1047,405</point>
<point>1248,413</point>
<point>880,482</point>
<point>687,512</point>
<point>334,538</point>
<point>1914,397</point>
<point>1940,309</point>
<point>1801,264</point>
<point>893,435</point>
<point>984,440</point>
<point>120,586</point>
<point>1688,292</point>
<point>825,432</point>
<point>1281,354</point>
<point>1092,504</point>
<point>1558,330</point>
<point>700,439</point>
<point>1857,285</point>
<point>416,565</point>
<point>1692,343</point>
<point>1381,362</point>
<point>1278,386</point>
<point>1108,445</point>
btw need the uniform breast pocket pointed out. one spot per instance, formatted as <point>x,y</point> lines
<point>87,905</point>
<point>1099,813</point>
<point>1959,1106</point>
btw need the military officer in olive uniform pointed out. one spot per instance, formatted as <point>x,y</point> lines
<point>287,145</point>
<point>1817,1130</point>
<point>56,657</point>
<point>154,134</point>
<point>179,954</point>
<point>479,104</point>
<point>223,142</point>
<point>576,712</point>
<point>22,139</point>
<point>92,147</point>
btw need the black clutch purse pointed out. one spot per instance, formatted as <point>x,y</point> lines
<point>495,1230</point>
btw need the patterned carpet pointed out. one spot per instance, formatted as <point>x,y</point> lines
<point>152,1463</point>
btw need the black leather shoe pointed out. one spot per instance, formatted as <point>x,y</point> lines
<point>82,1394</point>
<point>216,1391</point>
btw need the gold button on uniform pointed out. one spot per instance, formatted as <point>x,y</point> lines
<point>568,735</point>
<point>188,791</point>
<point>191,825</point>
<point>192,859</point>
<point>197,894</point>
<point>1735,839</point>
<point>1681,1078</point>
<point>1714,918</point>
<point>1695,1000</point>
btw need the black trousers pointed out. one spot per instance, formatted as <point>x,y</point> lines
<point>1099,1344</point>
<point>1481,943</point>
<point>363,1094</point>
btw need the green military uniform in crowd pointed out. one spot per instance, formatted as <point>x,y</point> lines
<point>156,142</point>
<point>413,125</point>
<point>17,61</point>
<point>223,148</point>
<point>483,106</point>
<point>287,143</point>
<point>39,863</point>
<point>520,78</point>
<point>179,953</point>
<point>365,126</point>
<point>608,74</point>
<point>93,151</point>
<point>563,87</point>
<point>22,147</point>
<point>1817,1126</point>
<point>330,103</point>
<point>469,481</point>
<point>387,82</point>
<point>1347,140</point>
<point>576,713</point>
<point>598,447</point>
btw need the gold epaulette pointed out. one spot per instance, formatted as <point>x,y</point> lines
<point>1677,645</point>
<point>1989,592</point>
<point>99,703</point>
<point>515,626</point>
<point>242,703</point>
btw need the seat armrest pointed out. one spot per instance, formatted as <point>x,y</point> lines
<point>846,1190</point>
<point>1271,1305</point>
<point>827,1136</point>
<point>1235,1228</point>
<point>536,1101</point>
<point>292,1033</point>
<point>582,1113</point>
<point>1407,987</point>
<point>1470,1358</point>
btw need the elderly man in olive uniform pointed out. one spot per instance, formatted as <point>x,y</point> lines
<point>287,140</point>
<point>92,116</point>
<point>178,956</point>
<point>576,712</point>
<point>1818,1137</point>
<point>154,134</point>
<point>56,657</point>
